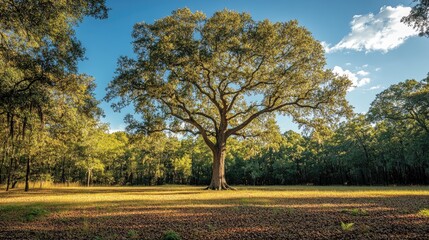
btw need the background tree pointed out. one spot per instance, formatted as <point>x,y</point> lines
<point>419,17</point>
<point>38,48</point>
<point>38,51</point>
<point>216,76</point>
<point>403,101</point>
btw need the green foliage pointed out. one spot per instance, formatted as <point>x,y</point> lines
<point>133,234</point>
<point>86,225</point>
<point>355,212</point>
<point>35,213</point>
<point>211,227</point>
<point>290,210</point>
<point>405,101</point>
<point>171,235</point>
<point>347,227</point>
<point>26,213</point>
<point>39,51</point>
<point>11,212</point>
<point>39,85</point>
<point>424,212</point>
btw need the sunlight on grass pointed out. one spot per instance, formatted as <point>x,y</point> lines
<point>169,194</point>
<point>104,200</point>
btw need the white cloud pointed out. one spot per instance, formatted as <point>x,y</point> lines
<point>348,64</point>
<point>377,69</point>
<point>326,46</point>
<point>375,87</point>
<point>363,81</point>
<point>362,73</point>
<point>120,128</point>
<point>383,31</point>
<point>116,130</point>
<point>356,81</point>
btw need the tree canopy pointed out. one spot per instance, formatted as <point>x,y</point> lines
<point>216,76</point>
<point>404,101</point>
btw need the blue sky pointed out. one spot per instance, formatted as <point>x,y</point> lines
<point>364,40</point>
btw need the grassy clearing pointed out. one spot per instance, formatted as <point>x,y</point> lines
<point>291,212</point>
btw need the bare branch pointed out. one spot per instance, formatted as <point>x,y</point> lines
<point>175,130</point>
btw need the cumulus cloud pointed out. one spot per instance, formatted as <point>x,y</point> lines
<point>363,81</point>
<point>362,73</point>
<point>356,81</point>
<point>383,31</point>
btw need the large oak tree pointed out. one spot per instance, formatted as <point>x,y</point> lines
<point>217,76</point>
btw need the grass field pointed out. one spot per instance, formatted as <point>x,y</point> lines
<point>291,212</point>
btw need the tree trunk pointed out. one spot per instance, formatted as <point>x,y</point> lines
<point>14,184</point>
<point>3,162</point>
<point>9,174</point>
<point>1,172</point>
<point>218,181</point>
<point>89,178</point>
<point>63,171</point>
<point>27,174</point>
<point>11,133</point>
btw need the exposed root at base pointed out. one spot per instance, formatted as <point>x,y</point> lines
<point>223,186</point>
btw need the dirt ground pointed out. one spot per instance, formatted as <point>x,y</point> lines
<point>292,212</point>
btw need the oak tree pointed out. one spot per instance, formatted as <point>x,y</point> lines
<point>419,17</point>
<point>405,101</point>
<point>216,76</point>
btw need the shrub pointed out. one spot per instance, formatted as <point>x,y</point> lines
<point>347,226</point>
<point>424,212</point>
<point>35,213</point>
<point>355,212</point>
<point>133,234</point>
<point>171,235</point>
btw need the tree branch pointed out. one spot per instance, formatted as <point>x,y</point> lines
<point>191,121</point>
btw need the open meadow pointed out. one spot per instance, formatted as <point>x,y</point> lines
<point>277,212</point>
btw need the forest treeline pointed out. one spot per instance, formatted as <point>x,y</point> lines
<point>388,145</point>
